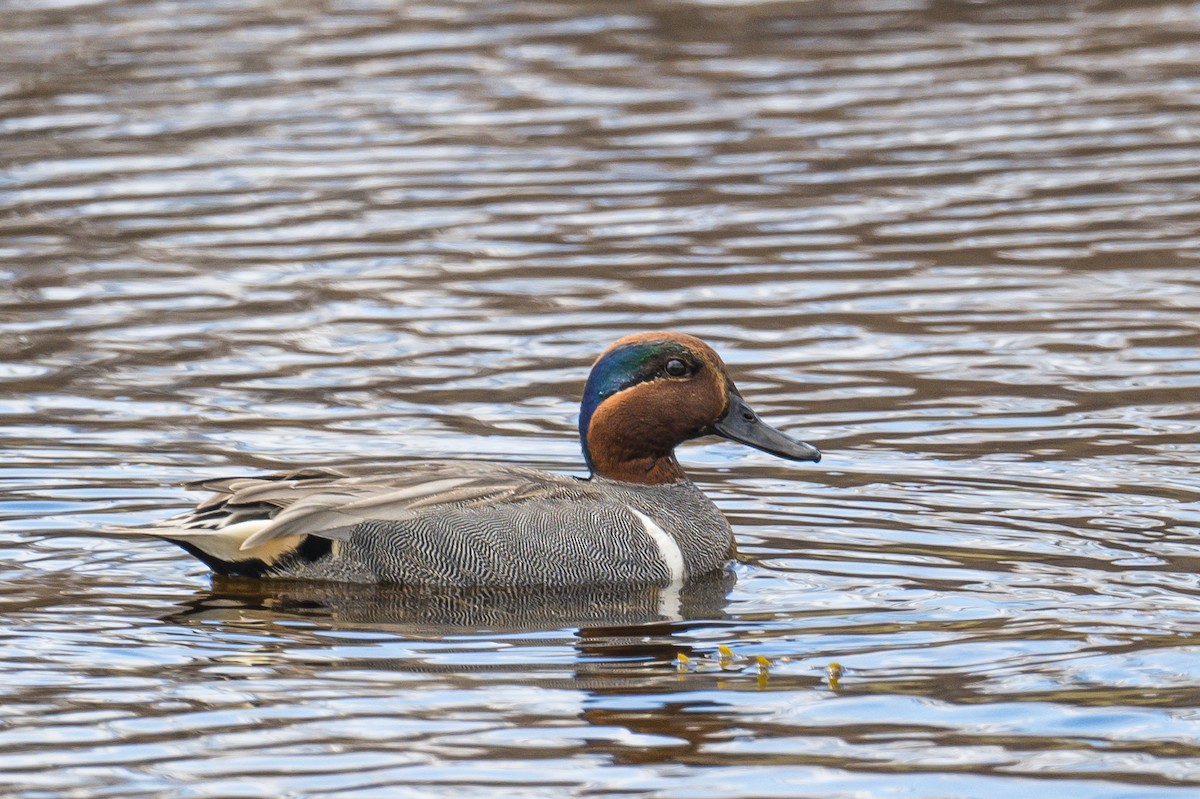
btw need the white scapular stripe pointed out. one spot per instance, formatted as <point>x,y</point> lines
<point>671,554</point>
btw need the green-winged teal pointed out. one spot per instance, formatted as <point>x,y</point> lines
<point>637,519</point>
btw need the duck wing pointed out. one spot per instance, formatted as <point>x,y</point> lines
<point>329,503</point>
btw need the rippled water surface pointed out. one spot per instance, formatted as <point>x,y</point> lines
<point>955,244</point>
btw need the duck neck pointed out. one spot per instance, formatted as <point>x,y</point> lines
<point>616,455</point>
<point>631,435</point>
<point>644,470</point>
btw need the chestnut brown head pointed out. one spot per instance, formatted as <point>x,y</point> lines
<point>649,392</point>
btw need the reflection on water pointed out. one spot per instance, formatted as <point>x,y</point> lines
<point>470,609</point>
<point>955,244</point>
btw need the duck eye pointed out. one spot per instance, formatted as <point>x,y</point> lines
<point>677,368</point>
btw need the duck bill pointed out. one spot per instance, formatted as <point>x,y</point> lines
<point>740,423</point>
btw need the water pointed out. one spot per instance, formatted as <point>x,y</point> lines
<point>955,244</point>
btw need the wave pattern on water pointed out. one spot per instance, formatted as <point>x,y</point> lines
<point>956,244</point>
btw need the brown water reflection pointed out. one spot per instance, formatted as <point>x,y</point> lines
<point>954,243</point>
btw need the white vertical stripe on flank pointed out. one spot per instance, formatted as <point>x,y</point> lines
<point>671,554</point>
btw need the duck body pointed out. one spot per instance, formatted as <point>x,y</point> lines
<point>636,520</point>
<point>458,524</point>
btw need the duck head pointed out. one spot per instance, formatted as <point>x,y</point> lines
<point>649,392</point>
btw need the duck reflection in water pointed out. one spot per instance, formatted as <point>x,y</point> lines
<point>460,608</point>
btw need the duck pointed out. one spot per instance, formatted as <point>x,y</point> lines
<point>634,519</point>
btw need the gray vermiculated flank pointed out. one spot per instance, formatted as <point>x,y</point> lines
<point>549,542</point>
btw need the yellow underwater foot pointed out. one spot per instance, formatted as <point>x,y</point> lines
<point>726,660</point>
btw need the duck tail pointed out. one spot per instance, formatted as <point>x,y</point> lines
<point>220,548</point>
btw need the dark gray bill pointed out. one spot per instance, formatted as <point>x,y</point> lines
<point>740,423</point>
